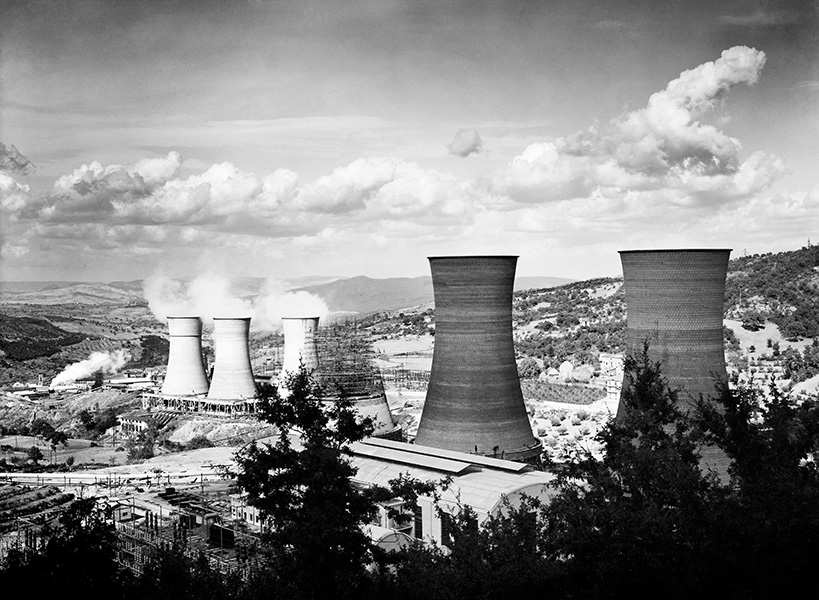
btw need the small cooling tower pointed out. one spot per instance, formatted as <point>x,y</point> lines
<point>299,344</point>
<point>474,402</point>
<point>232,374</point>
<point>674,300</point>
<point>185,375</point>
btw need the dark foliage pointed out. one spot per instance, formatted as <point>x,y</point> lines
<point>154,352</point>
<point>96,423</point>
<point>302,484</point>
<point>23,338</point>
<point>643,521</point>
<point>75,559</point>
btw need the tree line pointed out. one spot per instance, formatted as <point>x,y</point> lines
<point>645,519</point>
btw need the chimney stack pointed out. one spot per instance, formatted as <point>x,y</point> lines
<point>185,375</point>
<point>232,374</point>
<point>474,402</point>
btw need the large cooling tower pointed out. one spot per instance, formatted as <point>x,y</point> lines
<point>185,375</point>
<point>232,375</point>
<point>474,402</point>
<point>674,299</point>
<point>299,344</point>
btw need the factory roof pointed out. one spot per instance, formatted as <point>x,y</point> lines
<point>485,491</point>
<point>440,466</point>
<point>439,453</point>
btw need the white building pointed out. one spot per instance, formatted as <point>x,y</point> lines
<point>611,371</point>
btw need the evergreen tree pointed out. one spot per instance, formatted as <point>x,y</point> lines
<point>636,522</point>
<point>770,512</point>
<point>302,484</point>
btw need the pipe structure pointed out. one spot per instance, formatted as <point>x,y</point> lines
<point>299,344</point>
<point>474,402</point>
<point>185,375</point>
<point>674,300</point>
<point>232,374</point>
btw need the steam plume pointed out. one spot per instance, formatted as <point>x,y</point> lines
<point>108,362</point>
<point>210,295</point>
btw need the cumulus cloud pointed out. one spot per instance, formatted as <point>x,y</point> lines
<point>465,142</point>
<point>223,199</point>
<point>211,295</point>
<point>663,146</point>
<point>93,193</point>
<point>14,196</point>
<point>11,161</point>
<point>663,169</point>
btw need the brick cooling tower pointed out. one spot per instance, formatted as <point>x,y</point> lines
<point>299,344</point>
<point>185,375</point>
<point>674,299</point>
<point>232,374</point>
<point>474,402</point>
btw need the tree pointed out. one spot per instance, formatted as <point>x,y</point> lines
<point>771,509</point>
<point>76,558</point>
<point>528,368</point>
<point>500,558</point>
<point>141,446</point>
<point>636,521</point>
<point>753,320</point>
<point>303,488</point>
<point>34,454</point>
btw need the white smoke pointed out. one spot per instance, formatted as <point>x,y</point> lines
<point>107,362</point>
<point>210,295</point>
<point>275,303</point>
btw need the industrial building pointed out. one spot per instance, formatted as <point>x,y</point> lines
<point>486,485</point>
<point>474,402</point>
<point>233,392</point>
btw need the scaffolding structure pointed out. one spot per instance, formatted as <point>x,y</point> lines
<point>199,404</point>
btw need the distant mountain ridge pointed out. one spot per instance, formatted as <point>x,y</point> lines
<point>364,295</point>
<point>360,295</point>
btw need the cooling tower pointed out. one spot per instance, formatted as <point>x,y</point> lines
<point>185,375</point>
<point>474,403</point>
<point>376,407</point>
<point>674,299</point>
<point>232,375</point>
<point>299,344</point>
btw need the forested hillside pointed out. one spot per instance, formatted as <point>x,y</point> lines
<point>782,288</point>
<point>22,338</point>
<point>579,320</point>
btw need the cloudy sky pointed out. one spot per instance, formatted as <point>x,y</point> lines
<point>282,139</point>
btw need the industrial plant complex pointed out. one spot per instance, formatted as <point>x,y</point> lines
<point>474,429</point>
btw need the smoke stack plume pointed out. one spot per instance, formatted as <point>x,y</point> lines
<point>186,371</point>
<point>474,402</point>
<point>674,299</point>
<point>232,374</point>
<point>107,362</point>
<point>299,344</point>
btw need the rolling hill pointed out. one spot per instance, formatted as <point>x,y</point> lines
<point>364,295</point>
